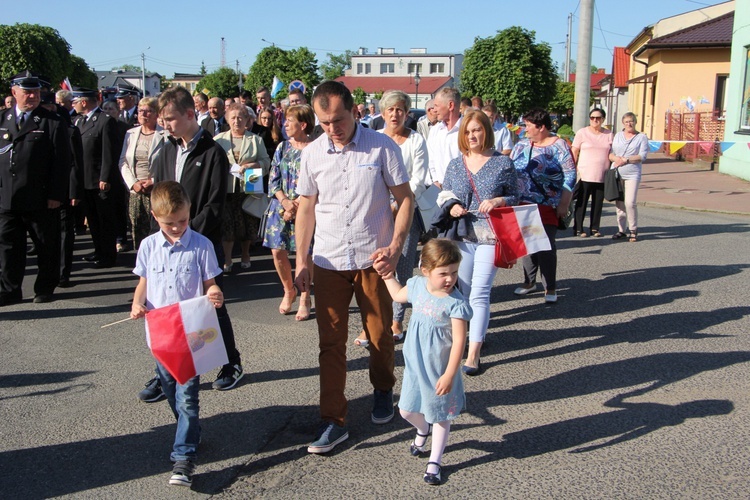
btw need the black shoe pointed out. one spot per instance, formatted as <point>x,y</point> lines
<point>433,479</point>
<point>103,264</point>
<point>6,300</point>
<point>43,298</point>
<point>92,257</point>
<point>182,473</point>
<point>81,230</point>
<point>32,250</point>
<point>228,377</point>
<point>382,410</point>
<point>65,283</point>
<point>153,392</point>
<point>471,371</point>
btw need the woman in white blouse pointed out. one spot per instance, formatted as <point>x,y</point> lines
<point>629,149</point>
<point>394,106</point>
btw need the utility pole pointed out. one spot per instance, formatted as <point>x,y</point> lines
<point>143,74</point>
<point>567,48</point>
<point>583,65</point>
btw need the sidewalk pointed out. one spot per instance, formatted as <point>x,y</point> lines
<point>691,186</point>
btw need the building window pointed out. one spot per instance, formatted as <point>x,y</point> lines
<point>745,111</point>
<point>720,95</point>
<point>368,68</point>
<point>415,68</point>
<point>359,68</point>
<point>387,68</point>
<point>437,68</point>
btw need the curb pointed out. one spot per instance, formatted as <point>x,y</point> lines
<point>654,204</point>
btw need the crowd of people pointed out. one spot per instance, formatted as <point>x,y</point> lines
<point>347,193</point>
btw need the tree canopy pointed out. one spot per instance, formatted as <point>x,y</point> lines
<point>565,98</point>
<point>512,69</point>
<point>223,82</point>
<point>287,65</point>
<point>41,50</point>
<point>336,65</point>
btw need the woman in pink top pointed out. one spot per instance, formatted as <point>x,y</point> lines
<point>591,148</point>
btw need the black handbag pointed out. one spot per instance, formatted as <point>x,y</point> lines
<point>613,189</point>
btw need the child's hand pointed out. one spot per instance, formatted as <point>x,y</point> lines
<point>388,276</point>
<point>138,311</point>
<point>215,296</point>
<point>444,385</point>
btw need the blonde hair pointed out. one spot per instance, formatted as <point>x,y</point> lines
<point>167,197</point>
<point>439,252</point>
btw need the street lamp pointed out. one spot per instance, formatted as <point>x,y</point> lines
<point>416,84</point>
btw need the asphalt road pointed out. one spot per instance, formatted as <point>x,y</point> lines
<point>635,385</point>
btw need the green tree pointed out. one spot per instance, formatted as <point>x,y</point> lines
<point>287,65</point>
<point>512,69</point>
<point>81,75</point>
<point>360,96</point>
<point>37,48</point>
<point>565,98</point>
<point>203,71</point>
<point>336,65</point>
<point>128,67</point>
<point>221,83</point>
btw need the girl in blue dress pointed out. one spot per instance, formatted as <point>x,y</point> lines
<point>432,393</point>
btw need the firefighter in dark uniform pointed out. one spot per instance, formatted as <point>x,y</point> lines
<point>34,180</point>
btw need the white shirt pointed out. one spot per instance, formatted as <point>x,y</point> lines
<point>503,139</point>
<point>442,147</point>
<point>414,153</point>
<point>353,215</point>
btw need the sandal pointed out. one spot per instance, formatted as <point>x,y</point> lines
<point>361,342</point>
<point>286,303</point>
<point>595,233</point>
<point>633,236</point>
<point>582,234</point>
<point>303,313</point>
<point>618,235</point>
<point>416,449</point>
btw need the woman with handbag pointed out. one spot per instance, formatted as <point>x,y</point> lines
<point>395,106</point>
<point>546,176</point>
<point>475,183</point>
<point>246,150</point>
<point>629,149</point>
<point>282,188</point>
<point>591,147</point>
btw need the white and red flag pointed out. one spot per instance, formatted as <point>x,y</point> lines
<point>519,231</point>
<point>185,338</point>
<point>65,84</point>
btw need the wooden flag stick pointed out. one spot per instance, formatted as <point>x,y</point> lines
<point>121,321</point>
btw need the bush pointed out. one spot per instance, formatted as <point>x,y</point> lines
<point>566,132</point>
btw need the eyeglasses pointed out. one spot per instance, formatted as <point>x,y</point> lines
<point>596,117</point>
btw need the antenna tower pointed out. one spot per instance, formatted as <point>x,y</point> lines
<point>223,53</point>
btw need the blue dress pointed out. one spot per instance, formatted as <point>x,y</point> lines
<point>427,349</point>
<point>283,176</point>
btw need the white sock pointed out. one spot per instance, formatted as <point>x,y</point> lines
<point>440,433</point>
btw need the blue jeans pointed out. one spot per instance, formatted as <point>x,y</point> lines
<point>183,399</point>
<point>475,275</point>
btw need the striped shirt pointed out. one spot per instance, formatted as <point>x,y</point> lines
<point>353,215</point>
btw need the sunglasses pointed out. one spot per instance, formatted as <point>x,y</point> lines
<point>596,117</point>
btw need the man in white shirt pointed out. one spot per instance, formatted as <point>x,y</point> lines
<point>346,178</point>
<point>426,122</point>
<point>442,144</point>
<point>503,139</point>
<point>200,101</point>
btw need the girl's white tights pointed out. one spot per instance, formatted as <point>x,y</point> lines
<point>440,433</point>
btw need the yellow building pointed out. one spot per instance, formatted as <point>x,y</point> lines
<point>680,66</point>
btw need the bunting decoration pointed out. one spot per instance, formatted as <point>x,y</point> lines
<point>675,146</point>
<point>654,146</point>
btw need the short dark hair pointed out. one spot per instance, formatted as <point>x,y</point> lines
<point>538,117</point>
<point>179,97</point>
<point>332,88</point>
<point>604,115</point>
<point>247,95</point>
<point>203,97</point>
<point>262,89</point>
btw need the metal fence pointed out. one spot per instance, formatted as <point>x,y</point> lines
<point>707,126</point>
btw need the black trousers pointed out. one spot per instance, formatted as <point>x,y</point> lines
<point>586,190</point>
<point>44,226</point>
<point>67,239</point>
<point>101,215</point>
<point>227,332</point>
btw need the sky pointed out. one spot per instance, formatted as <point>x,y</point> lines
<point>177,39</point>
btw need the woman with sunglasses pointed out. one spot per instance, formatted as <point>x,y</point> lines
<point>591,148</point>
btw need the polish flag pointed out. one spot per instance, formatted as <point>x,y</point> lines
<point>519,231</point>
<point>185,338</point>
<point>65,84</point>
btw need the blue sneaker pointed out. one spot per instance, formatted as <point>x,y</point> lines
<point>327,437</point>
<point>382,410</point>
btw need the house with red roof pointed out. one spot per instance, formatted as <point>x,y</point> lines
<point>613,96</point>
<point>417,72</point>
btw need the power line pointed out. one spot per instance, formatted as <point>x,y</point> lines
<point>600,23</point>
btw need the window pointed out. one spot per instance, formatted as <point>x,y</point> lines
<point>745,111</point>
<point>437,68</point>
<point>415,68</point>
<point>387,68</point>
<point>368,68</point>
<point>720,95</point>
<point>359,68</point>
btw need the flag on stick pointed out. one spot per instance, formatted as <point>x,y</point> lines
<point>276,86</point>
<point>185,338</point>
<point>519,231</point>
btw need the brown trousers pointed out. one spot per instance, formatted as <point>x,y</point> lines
<point>333,294</point>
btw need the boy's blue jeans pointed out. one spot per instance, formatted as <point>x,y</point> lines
<point>183,399</point>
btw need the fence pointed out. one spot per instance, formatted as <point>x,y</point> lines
<point>707,126</point>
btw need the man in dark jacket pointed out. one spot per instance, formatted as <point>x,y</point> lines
<point>34,172</point>
<point>193,159</point>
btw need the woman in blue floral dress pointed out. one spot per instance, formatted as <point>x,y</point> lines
<point>282,209</point>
